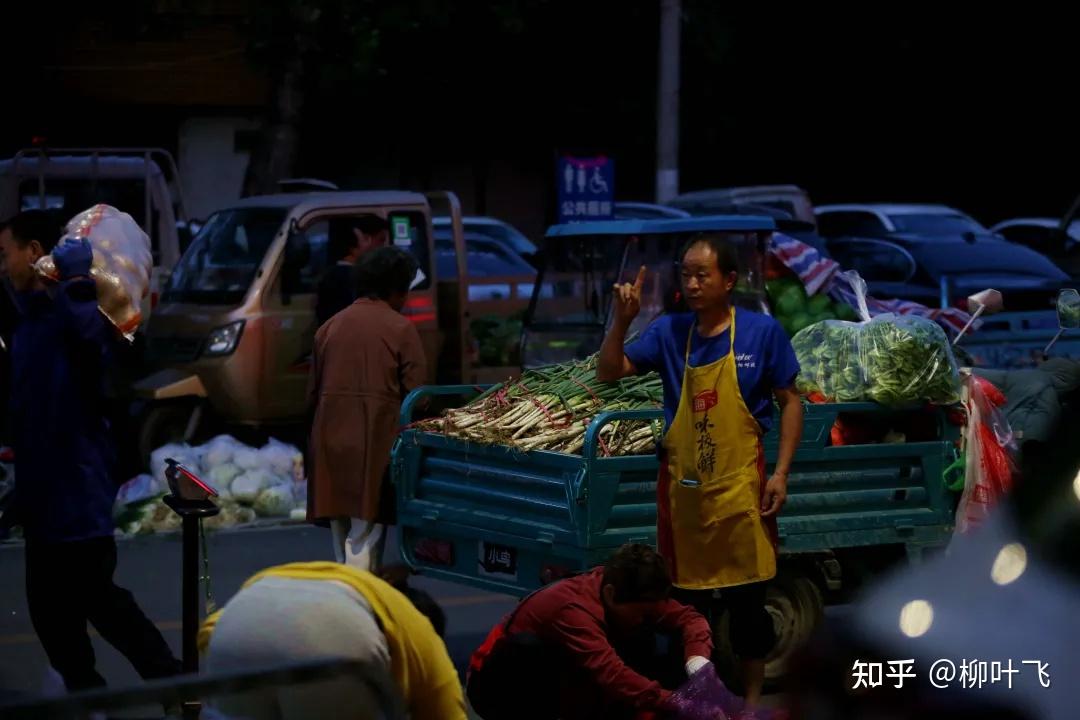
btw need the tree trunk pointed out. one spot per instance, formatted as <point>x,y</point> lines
<point>274,156</point>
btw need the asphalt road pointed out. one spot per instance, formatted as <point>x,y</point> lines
<point>149,566</point>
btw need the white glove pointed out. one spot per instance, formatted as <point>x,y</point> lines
<point>694,664</point>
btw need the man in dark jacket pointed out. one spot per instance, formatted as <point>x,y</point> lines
<point>349,239</point>
<point>64,484</point>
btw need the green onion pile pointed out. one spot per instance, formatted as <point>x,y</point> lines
<point>550,409</point>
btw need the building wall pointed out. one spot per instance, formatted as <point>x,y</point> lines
<point>211,161</point>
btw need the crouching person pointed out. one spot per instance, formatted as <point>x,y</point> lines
<point>306,612</point>
<point>587,646</point>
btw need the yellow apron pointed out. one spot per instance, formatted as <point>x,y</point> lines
<point>709,525</point>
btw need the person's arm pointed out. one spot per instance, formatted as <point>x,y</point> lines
<point>791,427</point>
<point>75,299</point>
<point>696,633</point>
<point>413,361</point>
<point>612,363</point>
<point>589,648</point>
<point>783,369</point>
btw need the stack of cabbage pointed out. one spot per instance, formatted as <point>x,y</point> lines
<point>251,484</point>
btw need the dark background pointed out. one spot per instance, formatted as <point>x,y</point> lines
<point>890,102</point>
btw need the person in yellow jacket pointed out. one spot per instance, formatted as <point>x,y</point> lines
<point>722,368</point>
<point>322,610</point>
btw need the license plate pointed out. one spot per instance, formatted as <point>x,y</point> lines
<point>498,561</point>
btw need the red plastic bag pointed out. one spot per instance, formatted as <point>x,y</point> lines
<point>704,697</point>
<point>990,450</point>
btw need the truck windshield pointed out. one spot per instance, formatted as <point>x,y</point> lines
<point>576,278</point>
<point>220,265</point>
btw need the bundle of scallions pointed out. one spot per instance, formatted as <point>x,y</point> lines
<point>550,408</point>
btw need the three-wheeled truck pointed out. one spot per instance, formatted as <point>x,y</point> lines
<point>510,521</point>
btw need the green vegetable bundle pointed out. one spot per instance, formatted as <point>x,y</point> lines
<point>498,338</point>
<point>550,409</point>
<point>889,360</point>
<point>795,310</point>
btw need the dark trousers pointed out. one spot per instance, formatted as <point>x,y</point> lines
<point>751,627</point>
<point>527,679</point>
<point>69,584</point>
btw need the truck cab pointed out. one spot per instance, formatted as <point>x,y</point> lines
<point>234,334</point>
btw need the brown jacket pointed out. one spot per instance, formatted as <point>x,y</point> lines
<point>366,359</point>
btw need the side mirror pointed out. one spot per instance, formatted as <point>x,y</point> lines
<point>987,302</point>
<point>1068,312</point>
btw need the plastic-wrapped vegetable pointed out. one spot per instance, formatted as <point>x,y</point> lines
<point>890,359</point>
<point>276,501</point>
<point>122,262</point>
<point>220,451</point>
<point>246,458</point>
<point>279,458</point>
<point>246,487</point>
<point>222,476</point>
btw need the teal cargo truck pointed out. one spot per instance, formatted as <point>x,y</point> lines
<point>509,521</point>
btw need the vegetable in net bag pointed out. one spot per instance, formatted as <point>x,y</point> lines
<point>889,359</point>
<point>122,262</point>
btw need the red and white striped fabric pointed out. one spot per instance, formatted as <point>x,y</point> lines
<point>820,274</point>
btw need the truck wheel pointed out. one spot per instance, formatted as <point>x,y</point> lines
<point>795,604</point>
<point>162,425</point>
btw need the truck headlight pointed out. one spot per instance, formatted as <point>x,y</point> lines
<point>223,340</point>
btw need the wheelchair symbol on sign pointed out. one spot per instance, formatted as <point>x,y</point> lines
<point>597,183</point>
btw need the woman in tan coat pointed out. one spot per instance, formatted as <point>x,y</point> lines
<point>367,358</point>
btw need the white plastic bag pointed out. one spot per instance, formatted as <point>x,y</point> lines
<point>220,451</point>
<point>122,262</point>
<point>281,459</point>
<point>183,454</point>
<point>139,488</point>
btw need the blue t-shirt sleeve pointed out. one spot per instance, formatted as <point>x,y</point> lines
<point>647,353</point>
<point>783,365</point>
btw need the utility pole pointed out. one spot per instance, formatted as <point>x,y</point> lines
<point>667,107</point>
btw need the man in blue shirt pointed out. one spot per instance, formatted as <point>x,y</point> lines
<point>64,458</point>
<point>716,512</point>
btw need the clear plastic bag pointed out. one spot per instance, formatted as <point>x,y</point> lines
<point>889,359</point>
<point>122,262</point>
<point>990,450</point>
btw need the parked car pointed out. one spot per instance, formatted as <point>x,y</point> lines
<point>785,223</point>
<point>646,211</point>
<point>1044,235</point>
<point>484,258</point>
<point>495,229</point>
<point>792,199</point>
<point>890,221</point>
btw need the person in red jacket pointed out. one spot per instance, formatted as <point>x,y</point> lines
<point>586,646</point>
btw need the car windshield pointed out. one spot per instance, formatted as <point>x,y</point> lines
<point>220,265</point>
<point>936,224</point>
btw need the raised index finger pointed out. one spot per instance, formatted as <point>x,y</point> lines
<point>640,278</point>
